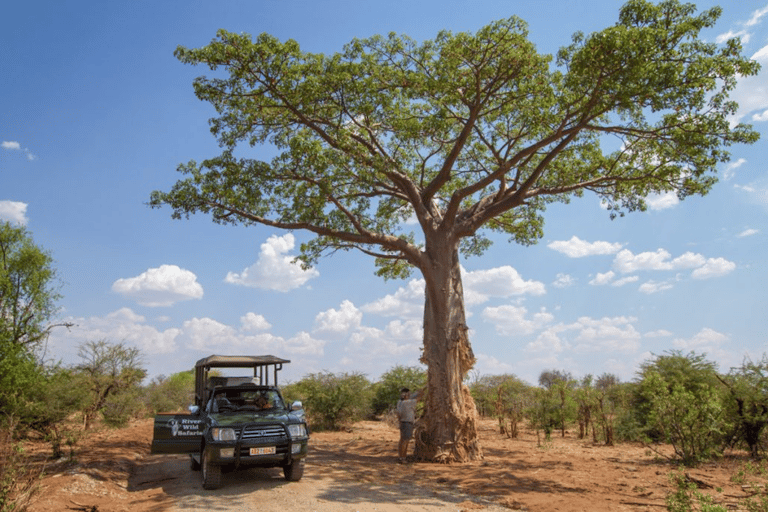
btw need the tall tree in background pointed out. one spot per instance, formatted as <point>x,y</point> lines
<point>28,288</point>
<point>466,134</point>
<point>28,296</point>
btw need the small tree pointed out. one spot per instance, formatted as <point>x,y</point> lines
<point>561,385</point>
<point>386,392</point>
<point>170,394</point>
<point>333,401</point>
<point>109,370</point>
<point>683,400</point>
<point>747,402</point>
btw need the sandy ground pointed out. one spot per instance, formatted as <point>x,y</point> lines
<point>357,471</point>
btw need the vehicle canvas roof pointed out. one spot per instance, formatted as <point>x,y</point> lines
<point>215,361</point>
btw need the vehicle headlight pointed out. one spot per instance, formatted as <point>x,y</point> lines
<point>297,430</point>
<point>223,434</point>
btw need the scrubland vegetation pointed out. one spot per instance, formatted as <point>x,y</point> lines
<point>683,400</point>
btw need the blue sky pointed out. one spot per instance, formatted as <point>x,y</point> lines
<point>95,113</point>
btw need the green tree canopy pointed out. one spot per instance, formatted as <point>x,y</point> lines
<point>467,134</point>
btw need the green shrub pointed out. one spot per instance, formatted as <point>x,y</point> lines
<point>386,392</point>
<point>682,400</point>
<point>333,401</point>
<point>170,394</point>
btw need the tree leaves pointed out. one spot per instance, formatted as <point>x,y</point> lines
<point>465,132</point>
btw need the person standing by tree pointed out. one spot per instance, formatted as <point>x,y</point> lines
<point>406,413</point>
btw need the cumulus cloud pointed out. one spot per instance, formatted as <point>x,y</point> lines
<point>705,340</point>
<point>274,269</point>
<point>407,302</point>
<point>122,325</point>
<point>158,287</point>
<point>398,338</point>
<point>662,201</point>
<point>714,267</point>
<point>513,320</point>
<point>627,262</point>
<point>345,319</point>
<point>14,212</point>
<point>609,334</point>
<point>751,93</point>
<point>577,248</point>
<point>505,281</point>
<point>254,322</point>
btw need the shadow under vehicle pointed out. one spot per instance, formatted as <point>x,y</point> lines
<point>236,422</point>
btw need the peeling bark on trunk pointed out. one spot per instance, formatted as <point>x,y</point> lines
<point>448,430</point>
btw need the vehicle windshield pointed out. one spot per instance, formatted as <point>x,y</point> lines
<point>255,400</point>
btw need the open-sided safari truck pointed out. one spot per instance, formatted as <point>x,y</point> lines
<point>236,421</point>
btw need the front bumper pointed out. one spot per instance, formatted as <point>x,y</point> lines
<point>238,453</point>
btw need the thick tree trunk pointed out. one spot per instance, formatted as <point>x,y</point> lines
<point>448,430</point>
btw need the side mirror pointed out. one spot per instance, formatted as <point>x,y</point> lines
<point>194,409</point>
<point>297,405</point>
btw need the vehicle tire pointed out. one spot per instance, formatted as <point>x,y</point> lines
<point>194,465</point>
<point>211,472</point>
<point>294,471</point>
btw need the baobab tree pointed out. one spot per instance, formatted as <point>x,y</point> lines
<point>468,133</point>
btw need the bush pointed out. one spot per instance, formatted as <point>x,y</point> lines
<point>333,401</point>
<point>170,394</point>
<point>386,392</point>
<point>19,477</point>
<point>682,399</point>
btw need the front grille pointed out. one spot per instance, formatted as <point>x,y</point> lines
<point>269,431</point>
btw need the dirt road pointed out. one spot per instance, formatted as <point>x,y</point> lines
<point>356,470</point>
<point>176,487</point>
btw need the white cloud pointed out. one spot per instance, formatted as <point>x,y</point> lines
<point>504,281</point>
<point>577,248</point>
<point>254,322</point>
<point>15,146</point>
<point>751,93</point>
<point>606,334</point>
<point>396,339</point>
<point>608,279</point>
<point>662,201</point>
<point>121,325</point>
<point>564,281</point>
<point>706,339</point>
<point>757,16</point>
<point>603,279</point>
<point>163,286</point>
<point>345,319</point>
<point>513,321</point>
<point>627,262</point>
<point>616,334</point>
<point>714,267</point>
<point>748,232</point>
<point>743,34</point>
<point>625,280</point>
<point>730,169</point>
<point>760,116</point>
<point>655,287</point>
<point>14,212</point>
<point>405,302</point>
<point>274,270</point>
<point>660,333</point>
<point>304,344</point>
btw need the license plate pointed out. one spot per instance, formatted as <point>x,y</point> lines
<point>263,450</point>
